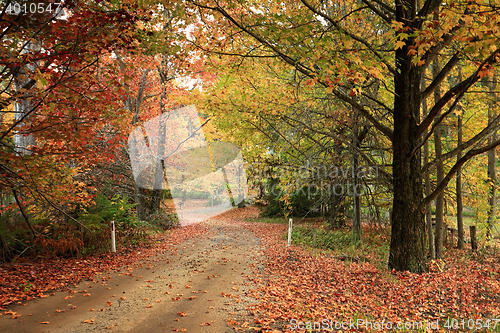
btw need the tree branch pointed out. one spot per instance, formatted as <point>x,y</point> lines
<point>353,36</point>
<point>460,88</point>
<point>440,77</point>
<point>471,153</point>
<point>484,133</point>
<point>304,70</point>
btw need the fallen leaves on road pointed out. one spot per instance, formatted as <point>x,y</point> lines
<point>59,273</point>
<point>299,285</point>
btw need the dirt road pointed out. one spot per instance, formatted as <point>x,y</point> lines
<point>197,287</point>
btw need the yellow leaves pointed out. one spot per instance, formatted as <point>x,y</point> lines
<point>41,79</point>
<point>399,44</point>
<point>311,82</point>
<point>348,43</point>
<point>387,34</point>
<point>375,72</point>
<point>395,25</point>
<point>468,20</point>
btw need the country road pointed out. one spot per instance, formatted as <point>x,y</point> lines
<point>198,286</point>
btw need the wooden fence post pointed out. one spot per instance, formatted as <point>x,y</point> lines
<point>473,242</point>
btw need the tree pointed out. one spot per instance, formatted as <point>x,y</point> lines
<point>346,47</point>
<point>58,109</point>
<point>492,177</point>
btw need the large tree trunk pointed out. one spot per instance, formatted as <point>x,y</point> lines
<point>160,179</point>
<point>133,104</point>
<point>23,107</point>
<point>492,177</point>
<point>438,148</point>
<point>140,201</point>
<point>407,249</point>
<point>460,218</point>
<point>356,221</point>
<point>427,181</point>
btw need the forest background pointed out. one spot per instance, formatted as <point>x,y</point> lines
<point>363,113</point>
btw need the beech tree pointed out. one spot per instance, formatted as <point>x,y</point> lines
<point>347,46</point>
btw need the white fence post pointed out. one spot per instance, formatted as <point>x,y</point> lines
<point>113,241</point>
<point>290,221</point>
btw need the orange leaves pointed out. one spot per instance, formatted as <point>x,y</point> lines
<point>207,323</point>
<point>399,44</point>
<point>54,274</point>
<point>14,314</point>
<point>310,82</point>
<point>182,314</point>
<point>299,283</point>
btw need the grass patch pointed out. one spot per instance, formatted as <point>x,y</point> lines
<point>373,247</point>
<point>468,221</point>
<point>276,220</point>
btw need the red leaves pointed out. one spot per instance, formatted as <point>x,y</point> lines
<point>301,285</point>
<point>59,273</point>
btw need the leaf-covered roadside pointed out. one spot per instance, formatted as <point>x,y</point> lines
<point>26,280</point>
<point>299,285</point>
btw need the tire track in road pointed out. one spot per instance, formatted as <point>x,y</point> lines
<point>204,279</point>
